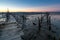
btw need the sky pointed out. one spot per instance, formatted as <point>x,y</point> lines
<point>30,5</point>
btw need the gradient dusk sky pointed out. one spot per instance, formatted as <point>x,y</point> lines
<point>29,5</point>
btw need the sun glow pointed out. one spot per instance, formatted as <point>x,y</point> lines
<point>21,10</point>
<point>29,9</point>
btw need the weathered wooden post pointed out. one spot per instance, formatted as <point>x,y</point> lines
<point>7,15</point>
<point>24,20</point>
<point>48,21</point>
<point>48,25</point>
<point>39,24</point>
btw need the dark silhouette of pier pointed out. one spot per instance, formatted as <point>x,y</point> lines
<point>40,22</point>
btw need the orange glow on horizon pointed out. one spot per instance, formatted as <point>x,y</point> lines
<point>21,10</point>
<point>28,10</point>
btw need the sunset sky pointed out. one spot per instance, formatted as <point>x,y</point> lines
<point>30,5</point>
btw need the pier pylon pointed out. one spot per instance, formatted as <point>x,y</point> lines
<point>7,15</point>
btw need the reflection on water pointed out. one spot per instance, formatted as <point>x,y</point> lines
<point>0,32</point>
<point>56,22</point>
<point>12,32</point>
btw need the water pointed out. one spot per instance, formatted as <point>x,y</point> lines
<point>55,19</point>
<point>12,32</point>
